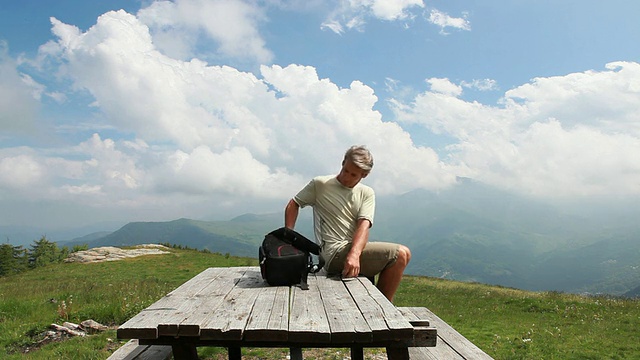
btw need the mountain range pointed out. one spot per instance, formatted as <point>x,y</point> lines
<point>471,232</point>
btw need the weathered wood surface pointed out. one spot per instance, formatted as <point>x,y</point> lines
<point>233,307</point>
<point>182,309</point>
<point>270,315</point>
<point>372,311</point>
<point>344,322</point>
<point>308,321</point>
<point>231,316</point>
<point>210,298</point>
<point>450,344</point>
<point>396,323</point>
<point>132,351</point>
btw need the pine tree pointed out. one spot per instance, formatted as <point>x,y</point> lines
<point>44,252</point>
<point>12,259</point>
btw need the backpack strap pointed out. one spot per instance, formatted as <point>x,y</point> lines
<point>296,239</point>
<point>303,281</point>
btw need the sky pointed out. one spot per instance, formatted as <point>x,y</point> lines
<point>139,110</point>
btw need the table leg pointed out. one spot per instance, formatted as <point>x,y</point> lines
<point>235,353</point>
<point>295,353</point>
<point>357,353</point>
<point>184,352</point>
<point>398,353</point>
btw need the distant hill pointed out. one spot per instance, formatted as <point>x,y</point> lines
<point>477,233</point>
<point>26,235</point>
<point>214,236</point>
<point>239,236</point>
<point>471,232</point>
<point>90,238</point>
<point>635,293</point>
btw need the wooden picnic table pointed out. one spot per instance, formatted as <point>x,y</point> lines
<point>234,308</point>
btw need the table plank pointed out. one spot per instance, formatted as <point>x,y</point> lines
<point>210,299</point>
<point>398,326</point>
<point>229,319</point>
<point>371,311</point>
<point>205,301</point>
<point>308,321</point>
<point>145,324</point>
<point>449,340</point>
<point>189,297</point>
<point>346,323</point>
<point>197,283</point>
<point>269,318</point>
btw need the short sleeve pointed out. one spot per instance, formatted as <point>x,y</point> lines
<point>368,206</point>
<point>306,196</point>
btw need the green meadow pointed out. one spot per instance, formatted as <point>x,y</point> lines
<point>506,323</point>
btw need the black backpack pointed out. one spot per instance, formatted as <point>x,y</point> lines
<point>285,258</point>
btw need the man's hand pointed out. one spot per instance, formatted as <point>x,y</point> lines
<point>360,237</point>
<point>351,265</point>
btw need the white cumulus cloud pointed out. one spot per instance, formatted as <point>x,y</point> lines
<point>171,135</point>
<point>444,86</point>
<point>562,136</point>
<point>353,14</point>
<point>18,97</point>
<point>232,24</point>
<point>186,130</point>
<point>444,21</point>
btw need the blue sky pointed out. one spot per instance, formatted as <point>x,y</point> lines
<point>155,110</point>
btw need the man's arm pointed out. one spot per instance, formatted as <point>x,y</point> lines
<point>360,238</point>
<point>291,214</point>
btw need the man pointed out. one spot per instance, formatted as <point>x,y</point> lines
<point>343,211</point>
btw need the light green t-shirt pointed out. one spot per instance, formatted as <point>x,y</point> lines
<point>336,210</point>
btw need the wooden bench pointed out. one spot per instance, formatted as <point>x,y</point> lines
<point>133,351</point>
<point>451,345</point>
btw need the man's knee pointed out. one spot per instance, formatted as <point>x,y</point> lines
<point>404,255</point>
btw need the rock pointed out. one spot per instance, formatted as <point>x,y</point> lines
<point>66,330</point>
<point>111,253</point>
<point>71,326</point>
<point>92,327</point>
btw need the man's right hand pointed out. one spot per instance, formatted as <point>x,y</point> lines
<point>351,266</point>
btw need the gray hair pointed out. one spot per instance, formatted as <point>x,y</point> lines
<point>361,156</point>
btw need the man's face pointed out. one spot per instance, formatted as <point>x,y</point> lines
<point>350,174</point>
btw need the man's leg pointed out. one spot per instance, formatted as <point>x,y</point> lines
<point>389,279</point>
<point>375,259</point>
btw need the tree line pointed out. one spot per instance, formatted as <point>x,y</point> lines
<point>15,259</point>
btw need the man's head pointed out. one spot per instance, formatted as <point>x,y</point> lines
<point>356,165</point>
<point>360,156</point>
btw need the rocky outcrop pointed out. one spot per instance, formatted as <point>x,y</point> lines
<point>110,253</point>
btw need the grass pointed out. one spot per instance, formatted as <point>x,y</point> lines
<point>109,293</point>
<point>513,324</point>
<point>506,323</point>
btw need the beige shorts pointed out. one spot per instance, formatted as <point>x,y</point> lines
<point>375,257</point>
